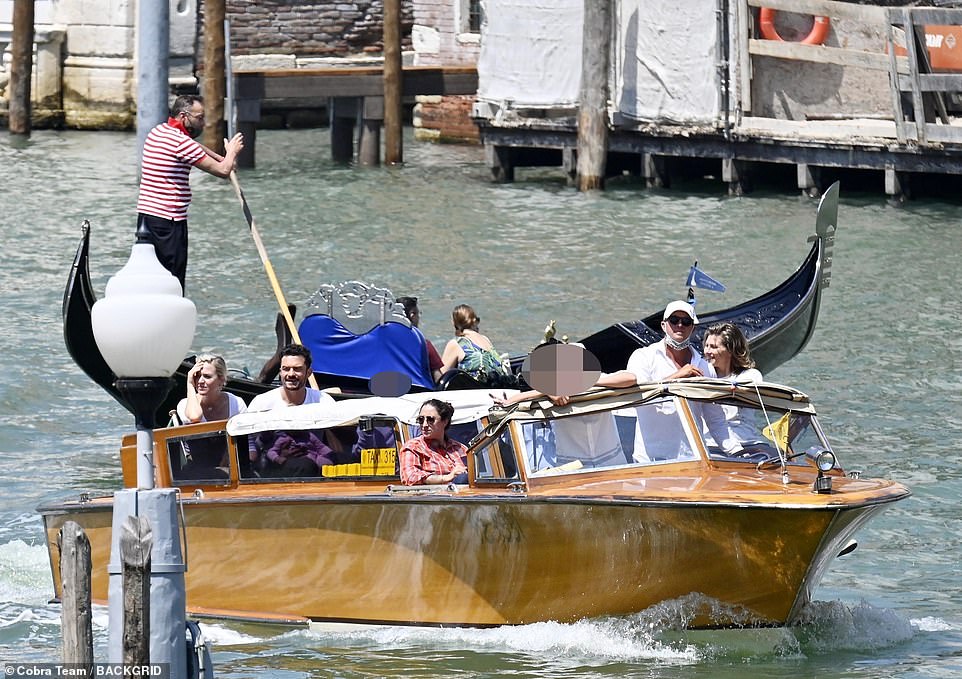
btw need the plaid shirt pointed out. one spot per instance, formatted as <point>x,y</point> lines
<point>419,459</point>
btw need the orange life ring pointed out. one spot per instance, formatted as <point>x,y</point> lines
<point>766,19</point>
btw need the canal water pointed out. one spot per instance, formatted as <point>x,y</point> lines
<point>884,368</point>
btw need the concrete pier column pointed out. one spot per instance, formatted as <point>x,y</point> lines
<point>735,175</point>
<point>153,46</point>
<point>569,164</point>
<point>808,180</point>
<point>655,171</point>
<point>369,136</point>
<point>499,160</point>
<point>896,185</point>
<point>343,113</point>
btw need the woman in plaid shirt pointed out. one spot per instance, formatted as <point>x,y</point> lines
<point>433,457</point>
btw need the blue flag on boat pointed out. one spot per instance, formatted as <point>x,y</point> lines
<point>699,279</point>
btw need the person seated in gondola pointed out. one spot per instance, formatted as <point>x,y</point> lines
<point>473,353</point>
<point>413,313</point>
<point>297,453</point>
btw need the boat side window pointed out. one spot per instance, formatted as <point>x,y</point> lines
<point>350,451</point>
<point>495,460</point>
<point>464,431</point>
<point>199,459</point>
<point>660,434</point>
<point>591,440</point>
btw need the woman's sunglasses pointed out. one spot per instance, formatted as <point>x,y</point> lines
<point>425,419</point>
<point>680,320</point>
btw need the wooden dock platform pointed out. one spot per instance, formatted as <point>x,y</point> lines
<point>647,151</point>
<point>353,97</point>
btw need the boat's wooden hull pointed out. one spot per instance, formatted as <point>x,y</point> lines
<point>490,561</point>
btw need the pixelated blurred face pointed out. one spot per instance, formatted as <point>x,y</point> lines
<point>561,369</point>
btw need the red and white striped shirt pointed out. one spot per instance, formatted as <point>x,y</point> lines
<point>164,185</point>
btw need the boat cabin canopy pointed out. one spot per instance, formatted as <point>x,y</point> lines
<point>628,430</point>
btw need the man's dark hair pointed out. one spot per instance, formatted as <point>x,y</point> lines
<point>297,350</point>
<point>184,103</point>
<point>409,304</point>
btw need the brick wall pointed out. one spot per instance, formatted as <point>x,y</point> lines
<point>445,119</point>
<point>311,27</point>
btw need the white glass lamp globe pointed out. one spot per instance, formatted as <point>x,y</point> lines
<point>144,325</point>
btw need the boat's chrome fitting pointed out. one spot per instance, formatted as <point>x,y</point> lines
<point>825,461</point>
<point>823,484</point>
<point>517,487</point>
<point>84,498</point>
<point>199,493</point>
<point>854,474</point>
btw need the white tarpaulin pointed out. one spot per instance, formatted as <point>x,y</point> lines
<point>663,60</point>
<point>666,61</point>
<point>531,52</point>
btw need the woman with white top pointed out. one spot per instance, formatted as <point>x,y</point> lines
<point>206,399</point>
<point>726,349</point>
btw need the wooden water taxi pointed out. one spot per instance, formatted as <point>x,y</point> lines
<point>565,515</point>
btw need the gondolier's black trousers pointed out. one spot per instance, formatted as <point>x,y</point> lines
<point>170,242</point>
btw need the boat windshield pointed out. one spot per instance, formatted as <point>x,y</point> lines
<point>759,434</point>
<point>657,433</point>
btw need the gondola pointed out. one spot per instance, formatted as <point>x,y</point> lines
<point>777,324</point>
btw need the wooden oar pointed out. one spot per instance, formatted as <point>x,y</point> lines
<point>278,293</point>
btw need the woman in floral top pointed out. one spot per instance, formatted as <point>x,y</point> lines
<point>433,457</point>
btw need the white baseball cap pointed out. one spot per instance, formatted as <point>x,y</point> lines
<point>684,307</point>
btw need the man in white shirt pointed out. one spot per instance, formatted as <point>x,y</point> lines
<point>294,372</point>
<point>658,433</point>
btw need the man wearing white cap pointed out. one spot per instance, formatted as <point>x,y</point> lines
<point>658,433</point>
<point>671,358</point>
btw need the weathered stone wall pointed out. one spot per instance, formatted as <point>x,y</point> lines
<point>311,27</point>
<point>439,36</point>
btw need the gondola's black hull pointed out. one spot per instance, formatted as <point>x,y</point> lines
<point>777,324</point>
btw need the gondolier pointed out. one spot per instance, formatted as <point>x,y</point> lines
<point>170,151</point>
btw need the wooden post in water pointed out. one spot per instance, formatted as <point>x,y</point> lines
<point>21,67</point>
<point>215,81</point>
<point>136,541</point>
<point>75,611</point>
<point>393,79</point>
<point>593,100</point>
